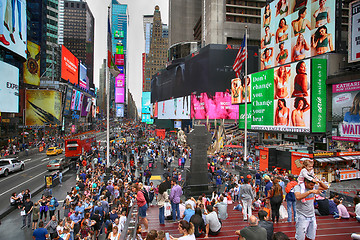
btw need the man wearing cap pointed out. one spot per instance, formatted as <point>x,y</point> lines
<point>305,212</point>
<point>290,197</point>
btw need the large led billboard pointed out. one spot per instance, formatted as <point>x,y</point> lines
<point>119,95</point>
<point>68,98</point>
<point>9,88</point>
<point>120,80</point>
<point>13,35</point>
<point>119,59</point>
<point>290,98</point>
<point>86,106</point>
<point>177,108</point>
<point>120,110</point>
<point>32,64</point>
<point>293,30</point>
<point>69,66</point>
<point>205,71</point>
<point>83,78</point>
<point>42,107</point>
<point>345,111</point>
<point>213,106</point>
<point>145,102</point>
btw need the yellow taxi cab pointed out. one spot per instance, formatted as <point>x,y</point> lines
<point>53,151</point>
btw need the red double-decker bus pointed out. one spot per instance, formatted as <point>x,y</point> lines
<point>78,144</point>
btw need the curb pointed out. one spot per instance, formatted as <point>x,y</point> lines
<point>9,209</point>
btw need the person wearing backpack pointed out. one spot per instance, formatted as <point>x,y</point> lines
<point>290,197</point>
<point>53,204</point>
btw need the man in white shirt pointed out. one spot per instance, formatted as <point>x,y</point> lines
<point>213,225</point>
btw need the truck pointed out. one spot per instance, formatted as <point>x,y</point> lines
<point>8,165</point>
<point>79,144</point>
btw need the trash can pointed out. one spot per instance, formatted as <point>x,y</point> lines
<point>52,179</point>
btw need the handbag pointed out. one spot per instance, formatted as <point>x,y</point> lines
<point>283,212</point>
<point>167,206</point>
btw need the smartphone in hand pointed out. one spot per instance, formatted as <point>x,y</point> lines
<point>167,236</point>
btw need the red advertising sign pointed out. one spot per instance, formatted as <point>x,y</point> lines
<point>143,69</point>
<point>119,59</point>
<point>69,66</point>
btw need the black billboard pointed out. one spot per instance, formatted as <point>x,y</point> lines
<point>209,70</point>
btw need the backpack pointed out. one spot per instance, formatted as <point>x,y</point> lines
<point>146,196</point>
<point>56,204</point>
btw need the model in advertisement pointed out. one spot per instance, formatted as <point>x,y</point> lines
<point>10,16</point>
<point>301,105</point>
<point>281,81</point>
<point>282,114</point>
<point>266,40</point>
<point>266,57</point>
<point>300,48</point>
<point>282,8</point>
<point>301,84</point>
<point>282,55</point>
<point>322,41</point>
<point>267,16</point>
<point>235,90</point>
<point>301,23</point>
<point>243,89</point>
<point>353,116</point>
<point>322,14</point>
<point>299,4</point>
<point>281,33</point>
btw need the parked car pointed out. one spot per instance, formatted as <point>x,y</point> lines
<point>58,164</point>
<point>10,165</point>
<point>54,151</point>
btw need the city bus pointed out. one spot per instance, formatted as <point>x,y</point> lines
<point>78,144</point>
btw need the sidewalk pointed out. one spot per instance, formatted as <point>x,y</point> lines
<point>11,224</point>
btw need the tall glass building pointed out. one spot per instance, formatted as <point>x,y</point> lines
<point>119,21</point>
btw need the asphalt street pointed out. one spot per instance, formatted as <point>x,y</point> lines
<point>31,178</point>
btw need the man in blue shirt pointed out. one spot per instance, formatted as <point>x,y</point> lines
<point>80,208</point>
<point>268,184</point>
<point>40,233</point>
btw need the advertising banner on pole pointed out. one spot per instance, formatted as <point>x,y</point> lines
<point>318,106</point>
<point>32,64</point>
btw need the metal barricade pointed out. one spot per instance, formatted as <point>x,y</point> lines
<point>129,231</point>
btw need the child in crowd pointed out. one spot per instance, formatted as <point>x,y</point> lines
<point>343,212</point>
<point>307,171</point>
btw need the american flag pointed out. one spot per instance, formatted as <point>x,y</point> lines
<point>240,58</point>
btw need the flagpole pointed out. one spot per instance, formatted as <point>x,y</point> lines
<point>246,93</point>
<point>108,108</point>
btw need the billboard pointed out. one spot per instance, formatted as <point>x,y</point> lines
<point>9,88</point>
<point>83,78</point>
<point>120,110</point>
<point>79,102</point>
<point>146,104</point>
<point>145,118</point>
<point>120,81</point>
<point>354,32</point>
<point>177,124</point>
<point>119,49</point>
<point>42,107</point>
<point>86,106</point>
<point>32,64</point>
<point>68,98</point>
<point>119,95</point>
<point>119,59</point>
<point>238,90</point>
<point>294,30</point>
<point>73,99</point>
<point>199,72</point>
<point>13,26</point>
<point>290,98</point>
<point>69,66</point>
<point>177,108</point>
<point>93,107</point>
<point>217,106</point>
<point>345,111</point>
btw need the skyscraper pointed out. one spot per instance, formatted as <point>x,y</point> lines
<point>79,34</point>
<point>157,56</point>
<point>43,30</point>
<point>119,22</point>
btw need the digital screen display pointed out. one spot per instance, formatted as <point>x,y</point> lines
<point>120,81</point>
<point>83,78</point>
<point>69,66</point>
<point>292,30</point>
<point>146,104</point>
<point>14,26</point>
<point>9,88</point>
<point>216,106</point>
<point>119,95</point>
<point>177,108</point>
<point>32,64</point>
<point>68,101</point>
<point>119,59</point>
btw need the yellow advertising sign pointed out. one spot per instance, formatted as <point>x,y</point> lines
<point>42,107</point>
<point>32,64</point>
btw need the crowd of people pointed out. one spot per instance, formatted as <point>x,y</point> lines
<point>100,201</point>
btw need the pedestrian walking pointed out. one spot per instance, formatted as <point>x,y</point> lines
<point>247,197</point>
<point>60,177</point>
<point>290,198</point>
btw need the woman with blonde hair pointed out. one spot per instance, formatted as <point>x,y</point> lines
<point>298,52</point>
<point>353,116</point>
<point>114,235</point>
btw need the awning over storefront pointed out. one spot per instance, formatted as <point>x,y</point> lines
<point>337,159</point>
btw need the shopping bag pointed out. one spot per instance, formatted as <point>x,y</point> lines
<point>22,213</point>
<point>283,212</point>
<point>167,206</point>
